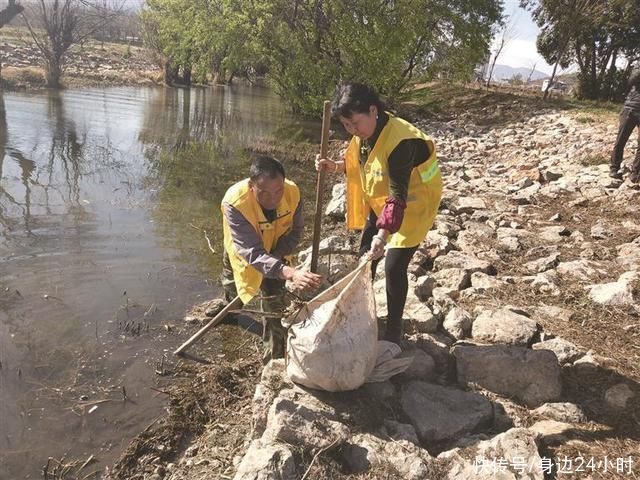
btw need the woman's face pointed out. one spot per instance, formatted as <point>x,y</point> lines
<point>362,125</point>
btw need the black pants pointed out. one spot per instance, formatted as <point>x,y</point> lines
<point>629,120</point>
<point>397,282</point>
<point>274,335</point>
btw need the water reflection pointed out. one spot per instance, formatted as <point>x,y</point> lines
<point>104,198</point>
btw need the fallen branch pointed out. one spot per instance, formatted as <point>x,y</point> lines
<point>318,454</point>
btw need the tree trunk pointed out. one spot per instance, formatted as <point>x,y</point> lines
<point>170,73</point>
<point>53,73</point>
<point>555,67</point>
<point>186,75</point>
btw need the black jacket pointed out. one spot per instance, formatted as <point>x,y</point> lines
<point>633,98</point>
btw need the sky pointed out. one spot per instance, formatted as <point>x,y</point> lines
<point>520,50</point>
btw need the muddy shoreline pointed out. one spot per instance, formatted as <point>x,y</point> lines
<point>209,441</point>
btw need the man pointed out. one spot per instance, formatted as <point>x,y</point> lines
<point>263,224</point>
<point>629,120</point>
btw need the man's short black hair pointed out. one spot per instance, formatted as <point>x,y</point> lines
<point>265,166</point>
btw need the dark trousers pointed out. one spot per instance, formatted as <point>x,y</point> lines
<point>629,120</point>
<point>396,277</point>
<point>273,301</point>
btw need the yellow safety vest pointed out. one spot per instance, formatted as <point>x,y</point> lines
<point>368,184</point>
<point>239,196</point>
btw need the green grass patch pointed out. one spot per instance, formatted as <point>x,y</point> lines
<point>595,159</point>
<point>494,106</point>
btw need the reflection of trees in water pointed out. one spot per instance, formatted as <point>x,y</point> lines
<point>27,168</point>
<point>66,149</point>
<point>227,116</point>
<point>195,143</point>
<point>176,116</point>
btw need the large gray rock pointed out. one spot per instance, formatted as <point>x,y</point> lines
<point>543,264</point>
<point>551,432</point>
<point>422,367</point>
<point>298,418</point>
<point>531,376</point>
<point>364,451</point>
<point>554,234</point>
<point>420,315</point>
<point>503,326</point>
<point>453,278</point>
<point>337,207</point>
<point>424,287</point>
<point>381,392</point>
<point>458,323</point>
<point>267,461</point>
<point>547,283</point>
<point>561,412</point>
<point>483,282</point>
<point>401,431</point>
<point>618,396</point>
<point>566,351</point>
<point>553,312</point>
<point>437,347</point>
<point>329,245</point>
<point>436,244</point>
<point>469,205</point>
<point>469,263</point>
<point>629,255</point>
<point>443,413</point>
<point>273,379</point>
<point>581,269</point>
<point>622,292</point>
<point>516,450</point>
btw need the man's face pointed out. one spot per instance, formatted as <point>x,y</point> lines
<point>268,191</point>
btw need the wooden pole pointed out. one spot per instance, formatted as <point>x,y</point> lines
<point>324,144</point>
<point>236,302</point>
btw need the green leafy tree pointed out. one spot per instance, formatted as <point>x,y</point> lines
<point>308,46</point>
<point>311,44</point>
<point>204,36</point>
<point>592,34</point>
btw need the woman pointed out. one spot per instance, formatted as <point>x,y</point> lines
<point>393,188</point>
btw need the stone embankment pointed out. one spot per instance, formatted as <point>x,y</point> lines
<point>522,322</point>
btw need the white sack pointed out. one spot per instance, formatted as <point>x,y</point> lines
<point>333,341</point>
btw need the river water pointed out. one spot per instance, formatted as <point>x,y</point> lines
<point>105,195</point>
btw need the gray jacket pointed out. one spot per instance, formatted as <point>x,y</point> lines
<point>250,246</point>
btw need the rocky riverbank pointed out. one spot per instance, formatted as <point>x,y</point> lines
<point>86,65</point>
<point>523,325</point>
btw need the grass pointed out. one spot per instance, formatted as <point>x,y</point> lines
<point>595,159</point>
<point>495,106</point>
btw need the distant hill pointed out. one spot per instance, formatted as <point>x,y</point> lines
<point>505,72</point>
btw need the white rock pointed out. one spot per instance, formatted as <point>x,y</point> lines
<point>503,326</point>
<point>566,351</point>
<point>458,323</point>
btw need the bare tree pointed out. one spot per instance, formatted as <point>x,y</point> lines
<point>57,25</point>
<point>506,34</point>
<point>533,69</point>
